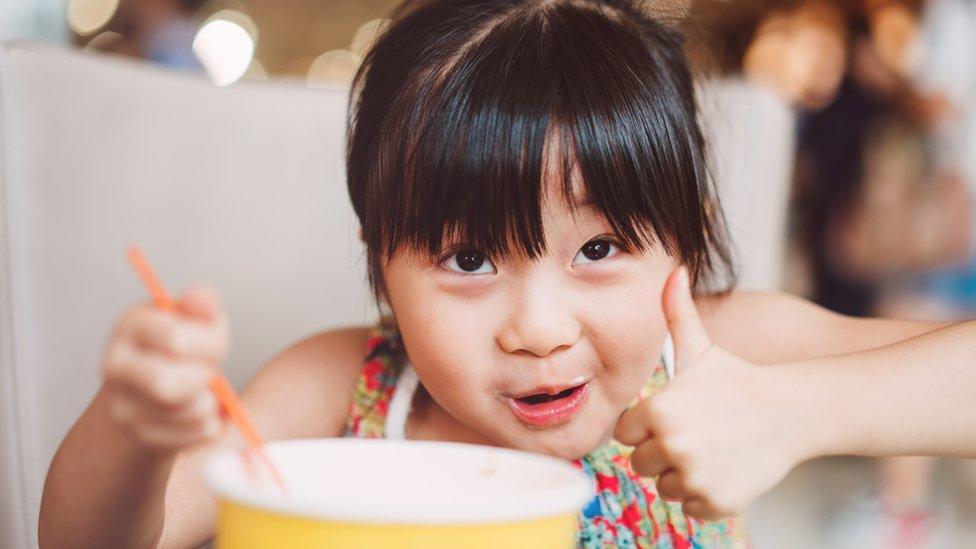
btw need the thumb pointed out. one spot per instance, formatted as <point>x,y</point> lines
<point>200,303</point>
<point>689,336</point>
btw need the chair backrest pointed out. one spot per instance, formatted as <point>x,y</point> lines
<point>242,187</point>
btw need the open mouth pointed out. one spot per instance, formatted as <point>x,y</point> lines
<point>546,409</point>
<point>539,398</point>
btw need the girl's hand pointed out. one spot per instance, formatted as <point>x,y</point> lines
<point>157,369</point>
<point>722,433</point>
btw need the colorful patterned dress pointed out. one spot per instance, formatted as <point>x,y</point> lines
<point>625,511</point>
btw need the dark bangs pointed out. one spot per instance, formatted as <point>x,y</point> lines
<point>458,106</point>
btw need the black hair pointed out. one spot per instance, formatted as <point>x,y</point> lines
<point>455,106</point>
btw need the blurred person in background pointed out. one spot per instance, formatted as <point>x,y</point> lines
<point>161,31</point>
<point>884,182</point>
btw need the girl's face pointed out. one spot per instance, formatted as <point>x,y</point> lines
<point>541,355</point>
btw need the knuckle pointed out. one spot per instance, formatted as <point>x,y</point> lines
<point>131,316</point>
<point>211,407</point>
<point>202,432</point>
<point>151,439</point>
<point>205,409</point>
<point>163,389</point>
<point>116,358</point>
<point>666,489</point>
<point>174,339</point>
<point>135,318</point>
<point>692,509</point>
<point>639,464</point>
<point>675,448</point>
<point>715,507</point>
<point>196,424</point>
<point>120,412</point>
<point>111,368</point>
<point>212,427</point>
<point>658,414</point>
<point>630,428</point>
<point>693,482</point>
<point>645,469</point>
<point>730,503</point>
<point>651,407</point>
<point>667,430</point>
<point>698,509</point>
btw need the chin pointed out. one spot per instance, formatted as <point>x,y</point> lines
<point>567,441</point>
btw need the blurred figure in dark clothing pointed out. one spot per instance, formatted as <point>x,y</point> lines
<point>830,169</point>
<point>875,203</point>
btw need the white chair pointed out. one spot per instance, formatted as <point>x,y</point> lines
<point>242,187</point>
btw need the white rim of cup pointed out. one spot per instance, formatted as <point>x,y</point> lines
<point>562,499</point>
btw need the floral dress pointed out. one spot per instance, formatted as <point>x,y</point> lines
<point>625,511</point>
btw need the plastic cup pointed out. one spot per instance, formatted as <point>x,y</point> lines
<point>358,493</point>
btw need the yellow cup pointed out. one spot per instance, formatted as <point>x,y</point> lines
<point>357,493</point>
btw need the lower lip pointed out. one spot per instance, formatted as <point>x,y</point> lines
<point>549,414</point>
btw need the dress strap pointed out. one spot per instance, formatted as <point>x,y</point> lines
<point>396,417</point>
<point>667,356</point>
<point>377,382</point>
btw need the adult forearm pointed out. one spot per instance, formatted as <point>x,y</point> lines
<point>103,490</point>
<point>915,397</point>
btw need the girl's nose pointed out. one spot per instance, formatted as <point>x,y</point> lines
<point>540,324</point>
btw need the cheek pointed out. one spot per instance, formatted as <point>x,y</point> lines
<point>445,340</point>
<point>627,328</point>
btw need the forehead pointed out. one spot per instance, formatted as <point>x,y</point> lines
<point>558,190</point>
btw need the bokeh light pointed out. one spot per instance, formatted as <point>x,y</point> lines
<point>366,35</point>
<point>335,68</point>
<point>103,41</point>
<point>87,16</point>
<point>225,46</point>
<point>256,71</point>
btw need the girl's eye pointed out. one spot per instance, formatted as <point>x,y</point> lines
<point>595,250</point>
<point>469,262</point>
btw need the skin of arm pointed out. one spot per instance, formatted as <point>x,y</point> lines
<point>305,392</point>
<point>774,328</point>
<point>101,477</point>
<point>765,382</point>
<point>870,387</point>
<point>914,397</point>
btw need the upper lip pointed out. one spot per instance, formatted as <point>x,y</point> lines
<point>550,389</point>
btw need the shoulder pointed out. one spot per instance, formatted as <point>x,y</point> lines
<point>305,390</point>
<point>326,350</point>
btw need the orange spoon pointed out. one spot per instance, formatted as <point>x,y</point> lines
<point>221,388</point>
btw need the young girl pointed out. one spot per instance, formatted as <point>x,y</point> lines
<point>530,178</point>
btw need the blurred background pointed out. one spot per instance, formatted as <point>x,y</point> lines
<point>881,218</point>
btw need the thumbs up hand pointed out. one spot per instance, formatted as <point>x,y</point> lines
<point>722,433</point>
